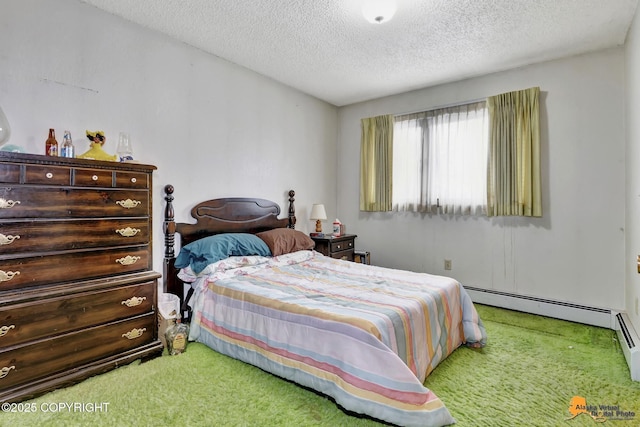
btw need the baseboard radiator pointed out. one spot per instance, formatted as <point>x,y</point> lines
<point>543,307</point>
<point>630,343</point>
<point>627,336</point>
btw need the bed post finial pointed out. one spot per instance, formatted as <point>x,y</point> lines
<point>169,225</point>
<point>292,210</point>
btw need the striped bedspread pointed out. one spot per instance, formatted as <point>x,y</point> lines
<point>366,336</point>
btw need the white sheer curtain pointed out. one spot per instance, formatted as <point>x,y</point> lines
<point>440,160</point>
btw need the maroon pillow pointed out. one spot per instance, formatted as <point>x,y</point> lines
<point>285,240</point>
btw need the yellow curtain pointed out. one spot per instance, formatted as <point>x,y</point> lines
<point>376,163</point>
<point>513,179</point>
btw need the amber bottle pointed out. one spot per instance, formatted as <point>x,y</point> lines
<point>51,148</point>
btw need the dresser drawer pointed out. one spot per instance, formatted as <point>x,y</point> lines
<point>48,175</point>
<point>26,363</point>
<point>346,255</point>
<point>25,236</point>
<point>10,173</point>
<point>24,322</point>
<point>93,178</point>
<point>16,273</point>
<point>66,202</point>
<point>342,245</point>
<point>132,180</point>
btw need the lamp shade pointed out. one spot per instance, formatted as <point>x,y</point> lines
<point>318,212</point>
<point>378,11</point>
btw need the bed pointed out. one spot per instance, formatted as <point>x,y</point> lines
<point>365,336</point>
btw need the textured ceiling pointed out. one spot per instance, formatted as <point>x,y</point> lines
<point>327,49</point>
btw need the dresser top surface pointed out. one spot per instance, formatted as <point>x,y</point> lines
<point>10,157</point>
<point>330,238</point>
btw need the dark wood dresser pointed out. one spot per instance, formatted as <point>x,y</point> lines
<point>336,247</point>
<point>77,292</point>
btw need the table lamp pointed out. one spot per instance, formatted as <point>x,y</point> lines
<point>318,213</point>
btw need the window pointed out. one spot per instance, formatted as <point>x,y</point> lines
<point>483,157</point>
<point>440,160</point>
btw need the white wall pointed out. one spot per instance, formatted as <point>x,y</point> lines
<point>212,128</point>
<point>575,252</point>
<point>632,50</point>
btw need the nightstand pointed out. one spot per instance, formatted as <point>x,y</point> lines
<point>336,247</point>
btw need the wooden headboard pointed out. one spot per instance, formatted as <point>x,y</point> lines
<point>226,215</point>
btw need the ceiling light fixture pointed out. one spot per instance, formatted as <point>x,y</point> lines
<point>378,11</point>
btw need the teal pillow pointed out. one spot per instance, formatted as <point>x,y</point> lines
<point>205,251</point>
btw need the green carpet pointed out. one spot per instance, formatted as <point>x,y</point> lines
<point>526,376</point>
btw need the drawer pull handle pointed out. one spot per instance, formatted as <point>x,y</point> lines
<point>134,333</point>
<point>128,204</point>
<point>94,177</point>
<point>5,276</point>
<point>49,175</point>
<point>5,371</point>
<point>128,232</point>
<point>6,204</point>
<point>5,329</point>
<point>133,180</point>
<point>7,240</point>
<point>134,301</point>
<point>339,247</point>
<point>128,260</point>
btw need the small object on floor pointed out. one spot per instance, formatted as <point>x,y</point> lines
<point>363,257</point>
<point>177,337</point>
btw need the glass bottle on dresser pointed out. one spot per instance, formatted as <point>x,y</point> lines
<point>51,145</point>
<point>67,149</point>
<point>124,150</point>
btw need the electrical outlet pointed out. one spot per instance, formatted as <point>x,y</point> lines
<point>447,264</point>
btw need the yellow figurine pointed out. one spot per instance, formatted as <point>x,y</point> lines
<point>96,152</point>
